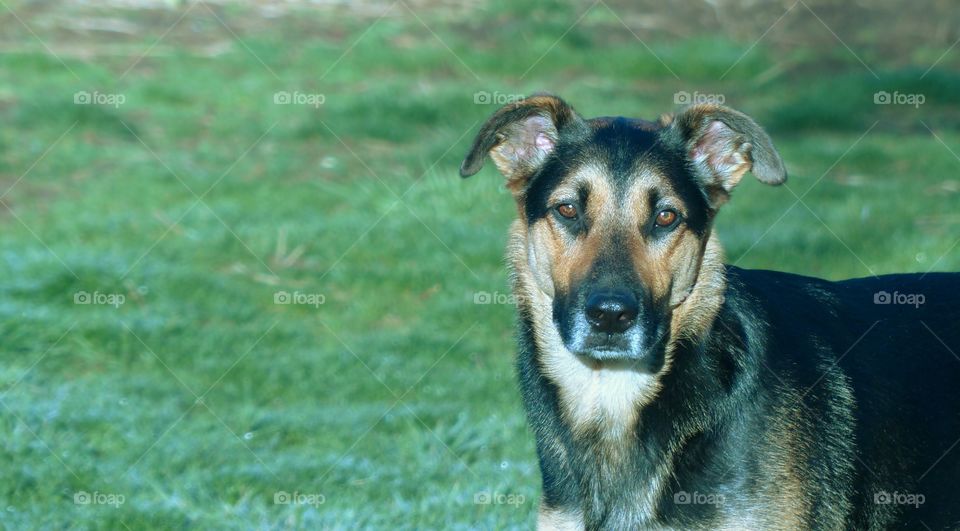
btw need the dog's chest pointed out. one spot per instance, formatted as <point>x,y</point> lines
<point>598,399</point>
<point>592,398</point>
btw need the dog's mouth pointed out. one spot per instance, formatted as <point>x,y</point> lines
<point>627,349</point>
<point>609,347</point>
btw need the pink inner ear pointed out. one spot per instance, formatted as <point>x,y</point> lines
<point>717,127</point>
<point>718,149</point>
<point>544,142</point>
<point>710,141</point>
<point>525,145</point>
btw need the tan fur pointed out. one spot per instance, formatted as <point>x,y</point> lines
<point>693,317</point>
<point>572,260</point>
<point>558,520</point>
<point>667,270</point>
<point>785,468</point>
<point>589,393</point>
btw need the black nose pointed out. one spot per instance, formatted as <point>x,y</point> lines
<point>612,312</point>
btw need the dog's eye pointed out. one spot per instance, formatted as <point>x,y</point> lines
<point>567,210</point>
<point>666,218</point>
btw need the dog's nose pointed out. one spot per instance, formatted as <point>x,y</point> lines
<point>612,312</point>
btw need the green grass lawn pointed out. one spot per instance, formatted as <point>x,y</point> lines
<point>199,399</point>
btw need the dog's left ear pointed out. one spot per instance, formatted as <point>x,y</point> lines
<point>721,145</point>
<point>520,137</point>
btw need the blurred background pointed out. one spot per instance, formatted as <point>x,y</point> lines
<point>242,286</point>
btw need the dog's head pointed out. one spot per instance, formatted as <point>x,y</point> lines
<point>616,212</point>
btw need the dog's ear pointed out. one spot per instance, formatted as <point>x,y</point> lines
<point>520,136</point>
<point>721,145</point>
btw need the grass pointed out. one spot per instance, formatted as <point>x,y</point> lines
<point>199,399</point>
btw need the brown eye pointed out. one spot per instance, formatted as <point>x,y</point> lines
<point>665,218</point>
<point>567,210</point>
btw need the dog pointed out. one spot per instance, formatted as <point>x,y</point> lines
<point>666,390</point>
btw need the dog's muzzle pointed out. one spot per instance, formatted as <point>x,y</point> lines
<point>613,326</point>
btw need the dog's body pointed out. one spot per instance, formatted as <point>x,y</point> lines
<point>807,406</point>
<point>666,390</point>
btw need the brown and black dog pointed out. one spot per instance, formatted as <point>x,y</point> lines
<point>669,391</point>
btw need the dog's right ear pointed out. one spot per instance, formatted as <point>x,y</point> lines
<point>721,145</point>
<point>520,136</point>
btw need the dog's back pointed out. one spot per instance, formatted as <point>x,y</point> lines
<point>893,341</point>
